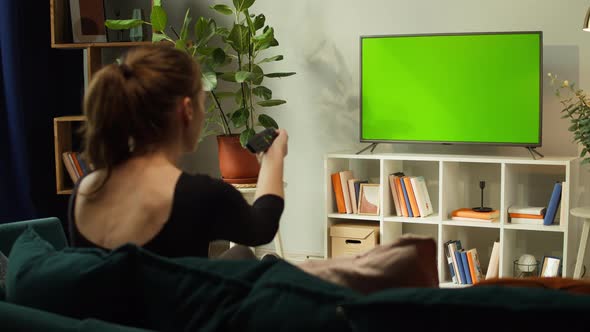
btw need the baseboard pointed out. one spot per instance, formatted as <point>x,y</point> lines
<point>290,256</point>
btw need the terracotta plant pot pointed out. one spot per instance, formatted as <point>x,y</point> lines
<point>237,164</point>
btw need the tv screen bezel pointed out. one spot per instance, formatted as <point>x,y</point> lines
<point>534,145</point>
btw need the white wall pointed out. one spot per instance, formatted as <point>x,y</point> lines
<point>320,39</point>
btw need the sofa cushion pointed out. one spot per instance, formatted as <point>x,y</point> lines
<point>565,284</point>
<point>49,229</point>
<point>3,268</point>
<point>77,283</point>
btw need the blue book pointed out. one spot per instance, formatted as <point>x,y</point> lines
<point>553,204</point>
<point>460,267</point>
<point>465,264</point>
<point>406,198</point>
<point>357,188</point>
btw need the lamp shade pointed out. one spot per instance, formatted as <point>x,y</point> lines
<point>586,26</point>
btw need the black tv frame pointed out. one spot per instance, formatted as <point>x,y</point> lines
<point>526,145</point>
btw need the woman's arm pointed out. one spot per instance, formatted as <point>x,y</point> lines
<point>270,178</point>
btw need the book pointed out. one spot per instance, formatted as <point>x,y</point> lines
<point>450,262</point>
<point>406,198</point>
<point>527,221</point>
<point>79,171</point>
<point>553,204</point>
<point>422,196</point>
<point>398,210</point>
<point>344,177</point>
<point>469,213</point>
<point>528,216</point>
<point>474,266</point>
<point>411,196</point>
<point>465,264</point>
<point>400,194</point>
<point>338,194</point>
<point>353,200</point>
<point>473,219</point>
<point>69,166</point>
<point>523,209</point>
<point>452,252</point>
<point>83,164</point>
<point>494,265</point>
<point>459,261</point>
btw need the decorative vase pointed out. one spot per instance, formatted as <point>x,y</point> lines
<point>237,164</point>
<point>136,34</point>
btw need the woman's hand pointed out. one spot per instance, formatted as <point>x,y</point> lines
<point>279,147</point>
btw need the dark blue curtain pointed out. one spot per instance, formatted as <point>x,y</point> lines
<point>37,83</point>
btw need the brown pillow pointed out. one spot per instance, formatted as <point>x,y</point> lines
<point>565,284</point>
<point>410,261</point>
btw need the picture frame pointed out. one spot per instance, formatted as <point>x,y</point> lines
<point>369,202</point>
<point>87,17</point>
<point>550,267</point>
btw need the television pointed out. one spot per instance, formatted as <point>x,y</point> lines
<point>452,88</point>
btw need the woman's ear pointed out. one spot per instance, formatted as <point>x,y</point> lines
<point>187,111</point>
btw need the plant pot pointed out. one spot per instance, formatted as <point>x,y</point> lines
<point>237,164</point>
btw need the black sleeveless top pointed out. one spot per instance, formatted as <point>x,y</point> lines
<point>204,209</point>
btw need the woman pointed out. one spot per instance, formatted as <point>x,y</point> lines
<point>142,116</point>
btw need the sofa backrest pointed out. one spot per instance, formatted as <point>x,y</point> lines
<point>50,229</point>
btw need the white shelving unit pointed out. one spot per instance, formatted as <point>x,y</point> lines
<point>453,182</point>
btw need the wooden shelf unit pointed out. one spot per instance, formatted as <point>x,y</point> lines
<point>453,182</point>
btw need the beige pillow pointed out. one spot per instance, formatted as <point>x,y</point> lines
<point>410,261</point>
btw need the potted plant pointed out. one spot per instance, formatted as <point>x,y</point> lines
<point>235,55</point>
<point>575,106</point>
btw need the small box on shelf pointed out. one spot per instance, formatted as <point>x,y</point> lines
<point>349,239</point>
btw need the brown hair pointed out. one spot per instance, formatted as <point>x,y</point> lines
<point>129,106</point>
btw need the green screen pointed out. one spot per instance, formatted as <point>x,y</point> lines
<point>471,88</point>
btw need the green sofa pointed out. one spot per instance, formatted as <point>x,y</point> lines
<point>54,288</point>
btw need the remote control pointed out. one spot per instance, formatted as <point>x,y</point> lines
<point>262,141</point>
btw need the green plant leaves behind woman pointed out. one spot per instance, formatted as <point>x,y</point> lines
<point>158,18</point>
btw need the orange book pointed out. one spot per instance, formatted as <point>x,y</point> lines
<point>77,164</point>
<point>469,213</point>
<point>471,269</point>
<point>524,215</point>
<point>338,193</point>
<point>400,194</point>
<point>411,196</point>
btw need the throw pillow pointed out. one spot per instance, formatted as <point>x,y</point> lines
<point>78,283</point>
<point>410,261</point>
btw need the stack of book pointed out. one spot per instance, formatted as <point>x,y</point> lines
<point>76,166</point>
<point>410,195</point>
<point>530,215</point>
<point>346,191</point>
<point>464,265</point>
<point>467,214</point>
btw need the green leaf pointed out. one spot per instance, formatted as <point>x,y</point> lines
<point>240,117</point>
<point>218,56</point>
<point>258,76</point>
<point>267,122</point>
<point>223,9</point>
<point>274,75</point>
<point>224,94</point>
<point>259,22</point>
<point>123,24</point>
<point>242,76</point>
<point>246,135</point>
<point>180,45</point>
<point>157,3</point>
<point>185,24</point>
<point>583,153</point>
<point>156,37</point>
<point>262,92</point>
<point>242,5</point>
<point>238,38</point>
<point>224,32</point>
<point>209,80</point>
<point>250,23</point>
<point>271,103</point>
<point>158,18</point>
<point>204,30</point>
<point>572,127</point>
<point>274,58</point>
<point>229,77</point>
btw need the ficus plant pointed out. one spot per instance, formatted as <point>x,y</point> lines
<point>236,55</point>
<point>575,107</point>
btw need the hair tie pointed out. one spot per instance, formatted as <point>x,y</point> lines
<point>126,70</point>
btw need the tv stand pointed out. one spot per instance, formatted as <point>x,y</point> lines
<point>532,151</point>
<point>372,147</point>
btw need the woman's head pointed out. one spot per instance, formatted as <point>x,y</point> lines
<point>152,100</point>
